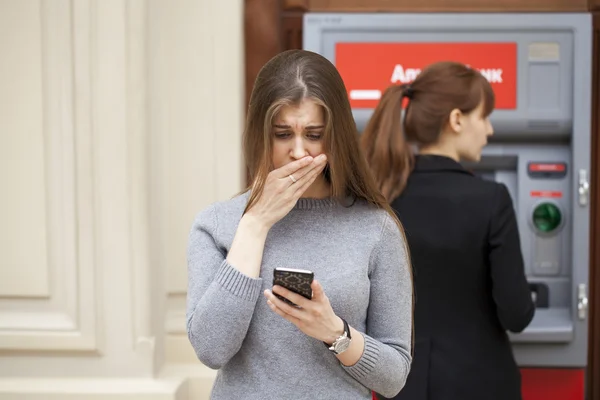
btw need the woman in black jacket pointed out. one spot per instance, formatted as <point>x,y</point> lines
<point>462,233</point>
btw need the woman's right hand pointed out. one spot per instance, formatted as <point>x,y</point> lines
<point>281,193</point>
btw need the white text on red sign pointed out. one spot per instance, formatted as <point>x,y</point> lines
<point>407,75</point>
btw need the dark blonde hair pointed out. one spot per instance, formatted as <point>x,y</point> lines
<point>288,78</point>
<point>437,90</point>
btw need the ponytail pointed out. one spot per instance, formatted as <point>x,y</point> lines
<point>386,149</point>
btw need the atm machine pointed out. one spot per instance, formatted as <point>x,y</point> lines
<point>540,68</point>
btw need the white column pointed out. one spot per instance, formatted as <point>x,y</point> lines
<point>196,122</point>
<point>197,114</point>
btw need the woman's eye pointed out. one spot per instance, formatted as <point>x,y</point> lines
<point>282,135</point>
<point>314,136</point>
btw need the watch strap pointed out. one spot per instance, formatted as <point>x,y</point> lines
<point>346,330</point>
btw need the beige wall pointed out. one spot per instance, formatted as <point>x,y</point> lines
<point>197,121</point>
<point>119,121</point>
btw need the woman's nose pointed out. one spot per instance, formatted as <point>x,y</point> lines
<point>298,150</point>
<point>490,128</point>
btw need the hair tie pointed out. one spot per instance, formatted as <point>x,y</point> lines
<point>407,91</point>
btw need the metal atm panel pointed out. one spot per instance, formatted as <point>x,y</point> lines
<point>540,149</point>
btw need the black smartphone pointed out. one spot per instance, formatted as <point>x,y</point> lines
<point>295,280</point>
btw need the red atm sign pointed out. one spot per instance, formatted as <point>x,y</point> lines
<point>369,68</point>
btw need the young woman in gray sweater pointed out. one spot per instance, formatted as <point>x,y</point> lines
<point>311,205</point>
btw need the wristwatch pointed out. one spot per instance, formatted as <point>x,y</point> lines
<point>342,343</point>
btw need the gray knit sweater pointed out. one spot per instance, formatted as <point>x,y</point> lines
<point>357,254</point>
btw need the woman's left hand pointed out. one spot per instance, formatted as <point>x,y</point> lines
<point>314,317</point>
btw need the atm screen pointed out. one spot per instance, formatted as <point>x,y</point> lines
<point>489,164</point>
<point>488,176</point>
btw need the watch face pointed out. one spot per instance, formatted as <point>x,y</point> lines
<point>342,345</point>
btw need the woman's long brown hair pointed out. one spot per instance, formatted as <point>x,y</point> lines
<point>437,90</point>
<point>288,78</point>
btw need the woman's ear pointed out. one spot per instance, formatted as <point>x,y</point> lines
<point>455,120</point>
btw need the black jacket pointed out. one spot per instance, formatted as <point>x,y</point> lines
<point>469,280</point>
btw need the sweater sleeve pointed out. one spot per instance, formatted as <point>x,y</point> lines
<point>220,300</point>
<point>386,359</point>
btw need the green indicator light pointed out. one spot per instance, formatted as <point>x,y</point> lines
<point>546,217</point>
